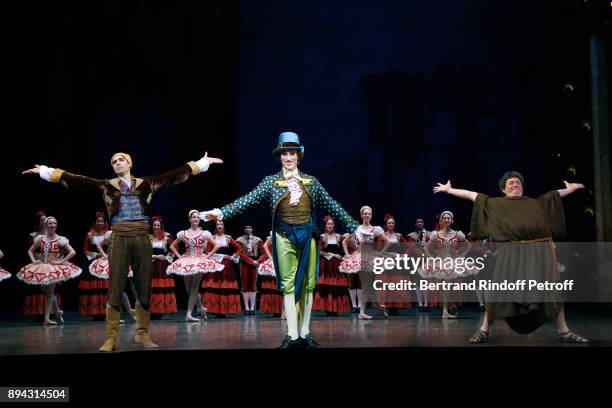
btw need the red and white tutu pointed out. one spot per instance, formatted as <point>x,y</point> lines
<point>4,275</point>
<point>191,265</point>
<point>46,274</point>
<point>266,268</point>
<point>100,269</point>
<point>351,263</point>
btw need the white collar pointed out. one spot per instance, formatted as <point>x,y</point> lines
<point>293,173</point>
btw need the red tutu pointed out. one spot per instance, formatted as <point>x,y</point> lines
<point>46,274</point>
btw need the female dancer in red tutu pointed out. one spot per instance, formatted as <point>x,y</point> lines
<point>220,291</point>
<point>364,235</point>
<point>194,262</point>
<point>94,291</point>
<point>447,243</point>
<point>419,238</point>
<point>34,300</point>
<point>52,267</point>
<point>354,283</point>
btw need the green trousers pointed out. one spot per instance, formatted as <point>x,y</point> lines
<point>288,257</point>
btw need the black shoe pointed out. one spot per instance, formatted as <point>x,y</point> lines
<point>247,312</point>
<point>290,344</point>
<point>355,310</point>
<point>420,309</point>
<point>309,342</point>
<point>426,308</point>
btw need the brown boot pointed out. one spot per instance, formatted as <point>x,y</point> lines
<point>142,328</point>
<point>112,329</point>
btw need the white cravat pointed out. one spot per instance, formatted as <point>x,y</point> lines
<point>293,183</point>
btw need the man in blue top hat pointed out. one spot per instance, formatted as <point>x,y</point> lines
<point>293,198</point>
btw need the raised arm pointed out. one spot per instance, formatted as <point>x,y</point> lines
<point>69,180</point>
<point>569,188</point>
<point>182,173</point>
<point>242,204</point>
<point>446,188</point>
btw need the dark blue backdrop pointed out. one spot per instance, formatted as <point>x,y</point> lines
<point>392,96</point>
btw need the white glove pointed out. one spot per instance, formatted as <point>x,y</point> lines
<point>45,172</point>
<point>202,164</point>
<point>204,215</point>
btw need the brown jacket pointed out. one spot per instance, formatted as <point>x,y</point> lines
<point>145,187</point>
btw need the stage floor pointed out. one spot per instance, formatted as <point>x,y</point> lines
<point>410,329</point>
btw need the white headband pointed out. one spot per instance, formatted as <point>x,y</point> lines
<point>447,212</point>
<point>364,208</point>
<point>50,218</point>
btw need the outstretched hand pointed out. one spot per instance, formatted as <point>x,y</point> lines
<point>442,188</point>
<point>211,160</point>
<point>573,186</point>
<point>33,170</point>
<point>210,215</point>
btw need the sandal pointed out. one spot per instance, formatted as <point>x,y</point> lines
<point>480,337</point>
<point>571,337</point>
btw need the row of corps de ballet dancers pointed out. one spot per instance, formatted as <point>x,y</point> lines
<point>219,271</point>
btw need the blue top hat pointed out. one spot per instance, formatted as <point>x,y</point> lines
<point>288,137</point>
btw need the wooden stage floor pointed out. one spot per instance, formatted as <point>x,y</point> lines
<point>21,336</point>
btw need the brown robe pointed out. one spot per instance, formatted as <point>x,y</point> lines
<point>509,220</point>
